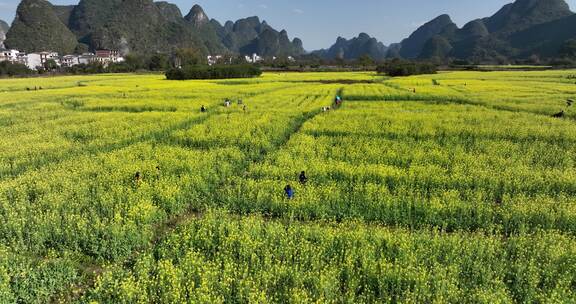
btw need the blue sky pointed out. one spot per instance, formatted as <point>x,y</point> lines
<point>320,22</point>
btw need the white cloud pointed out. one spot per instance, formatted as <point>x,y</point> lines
<point>298,11</point>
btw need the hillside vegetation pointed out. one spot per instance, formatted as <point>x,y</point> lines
<point>140,26</point>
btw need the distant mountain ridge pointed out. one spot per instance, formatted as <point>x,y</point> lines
<point>519,30</point>
<point>412,46</point>
<point>249,35</point>
<point>141,26</point>
<point>354,48</point>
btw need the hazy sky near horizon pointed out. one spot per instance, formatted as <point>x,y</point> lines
<point>319,22</point>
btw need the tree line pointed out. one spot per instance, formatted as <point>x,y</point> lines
<point>214,72</point>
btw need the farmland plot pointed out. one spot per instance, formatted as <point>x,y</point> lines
<point>455,187</point>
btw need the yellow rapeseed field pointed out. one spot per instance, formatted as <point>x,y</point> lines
<point>458,187</point>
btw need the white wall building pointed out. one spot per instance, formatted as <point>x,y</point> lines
<point>212,60</point>
<point>70,60</point>
<point>9,55</point>
<point>86,58</point>
<point>108,56</point>
<point>33,61</point>
<point>253,59</point>
<point>37,60</point>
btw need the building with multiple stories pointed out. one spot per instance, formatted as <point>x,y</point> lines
<point>107,57</point>
<point>37,60</point>
<point>69,60</point>
<point>9,55</point>
<point>253,59</point>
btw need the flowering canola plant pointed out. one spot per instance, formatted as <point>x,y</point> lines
<point>454,187</point>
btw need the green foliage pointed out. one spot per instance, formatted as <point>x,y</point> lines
<point>399,67</point>
<point>38,28</point>
<point>222,259</point>
<point>134,62</point>
<point>131,26</point>
<point>187,57</point>
<point>50,65</point>
<point>437,48</point>
<point>569,49</point>
<point>13,69</point>
<point>92,68</point>
<point>214,72</point>
<point>158,62</point>
<point>365,61</point>
<point>34,280</point>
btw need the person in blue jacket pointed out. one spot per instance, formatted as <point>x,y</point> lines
<point>289,191</point>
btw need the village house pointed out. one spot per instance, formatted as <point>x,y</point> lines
<point>212,60</point>
<point>22,58</point>
<point>86,58</point>
<point>9,55</point>
<point>37,60</point>
<point>253,59</point>
<point>107,57</point>
<point>69,60</point>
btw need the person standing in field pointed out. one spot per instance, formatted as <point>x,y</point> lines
<point>337,101</point>
<point>303,178</point>
<point>158,173</point>
<point>137,179</point>
<point>203,109</point>
<point>289,191</point>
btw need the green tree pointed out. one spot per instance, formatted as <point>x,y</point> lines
<point>569,49</point>
<point>50,65</point>
<point>365,61</point>
<point>134,62</point>
<point>187,57</point>
<point>13,69</point>
<point>158,62</point>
